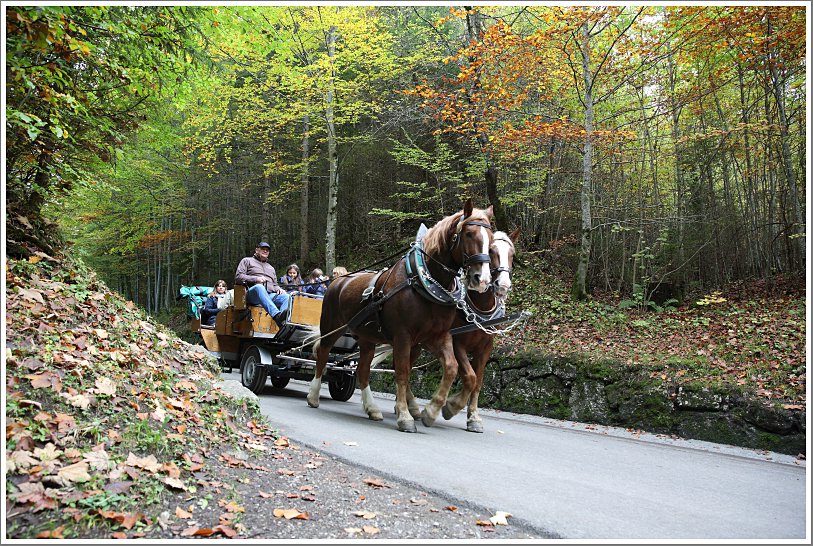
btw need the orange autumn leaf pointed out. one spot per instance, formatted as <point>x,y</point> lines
<point>290,513</point>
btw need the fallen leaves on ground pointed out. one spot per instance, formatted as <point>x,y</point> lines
<point>290,513</point>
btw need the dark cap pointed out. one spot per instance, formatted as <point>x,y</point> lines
<point>264,245</point>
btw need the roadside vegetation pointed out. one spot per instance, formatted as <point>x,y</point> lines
<point>750,334</point>
<point>107,412</point>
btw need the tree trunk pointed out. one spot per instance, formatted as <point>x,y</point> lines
<point>579,290</point>
<point>304,223</point>
<point>474,30</point>
<point>333,179</point>
<point>798,225</point>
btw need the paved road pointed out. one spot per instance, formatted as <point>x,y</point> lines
<point>567,479</point>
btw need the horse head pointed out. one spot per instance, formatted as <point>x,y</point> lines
<point>461,240</point>
<point>470,245</point>
<point>501,253</point>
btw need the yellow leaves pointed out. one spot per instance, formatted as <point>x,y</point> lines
<point>365,514</point>
<point>231,506</point>
<point>160,413</point>
<point>20,461</point>
<point>180,513</point>
<point>290,513</point>
<point>711,299</point>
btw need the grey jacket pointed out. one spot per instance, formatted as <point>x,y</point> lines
<point>250,268</point>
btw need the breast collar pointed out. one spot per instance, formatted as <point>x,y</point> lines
<point>425,284</point>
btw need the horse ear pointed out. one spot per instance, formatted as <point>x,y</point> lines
<point>490,211</point>
<point>467,208</point>
<point>514,235</point>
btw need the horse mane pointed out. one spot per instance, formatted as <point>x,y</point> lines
<point>438,236</point>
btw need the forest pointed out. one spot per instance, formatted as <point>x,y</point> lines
<point>639,147</point>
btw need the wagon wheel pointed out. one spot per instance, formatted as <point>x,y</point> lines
<point>252,372</point>
<point>280,382</point>
<point>342,389</point>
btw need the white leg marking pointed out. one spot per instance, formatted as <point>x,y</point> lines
<point>313,393</point>
<point>368,404</point>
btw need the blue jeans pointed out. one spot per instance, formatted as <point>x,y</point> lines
<point>273,304</point>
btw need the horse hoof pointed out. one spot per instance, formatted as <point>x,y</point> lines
<point>426,419</point>
<point>447,412</point>
<point>415,413</point>
<point>313,404</point>
<point>475,426</point>
<point>407,426</point>
<point>376,417</point>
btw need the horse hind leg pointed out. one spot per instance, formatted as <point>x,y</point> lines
<point>321,350</point>
<point>366,353</point>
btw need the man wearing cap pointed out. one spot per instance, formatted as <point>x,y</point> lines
<point>261,279</point>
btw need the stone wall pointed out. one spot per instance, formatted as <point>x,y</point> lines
<point>610,393</point>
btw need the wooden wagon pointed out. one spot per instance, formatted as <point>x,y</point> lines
<point>245,336</point>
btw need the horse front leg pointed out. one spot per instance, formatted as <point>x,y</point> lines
<point>366,353</point>
<point>473,421</point>
<point>458,401</point>
<point>401,357</point>
<point>445,353</point>
<point>412,403</point>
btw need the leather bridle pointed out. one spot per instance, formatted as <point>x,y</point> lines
<point>469,260</point>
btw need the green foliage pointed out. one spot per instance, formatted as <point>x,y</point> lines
<point>79,78</point>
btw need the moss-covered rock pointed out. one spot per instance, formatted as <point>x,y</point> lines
<point>608,392</point>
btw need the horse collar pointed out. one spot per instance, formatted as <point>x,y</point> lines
<point>425,284</point>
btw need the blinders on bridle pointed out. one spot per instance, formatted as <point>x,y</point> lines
<point>474,259</point>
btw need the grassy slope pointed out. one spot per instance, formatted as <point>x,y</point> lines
<point>752,334</point>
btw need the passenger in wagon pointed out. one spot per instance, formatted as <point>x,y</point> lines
<point>261,279</point>
<point>292,280</point>
<point>215,303</point>
<point>315,284</point>
<point>337,272</point>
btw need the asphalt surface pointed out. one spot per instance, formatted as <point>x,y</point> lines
<point>561,478</point>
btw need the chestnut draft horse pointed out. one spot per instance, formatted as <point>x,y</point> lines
<point>410,304</point>
<point>480,342</point>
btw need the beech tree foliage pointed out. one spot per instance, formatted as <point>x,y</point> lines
<point>639,147</point>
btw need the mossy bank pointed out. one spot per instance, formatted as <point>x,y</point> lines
<point>607,392</point>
